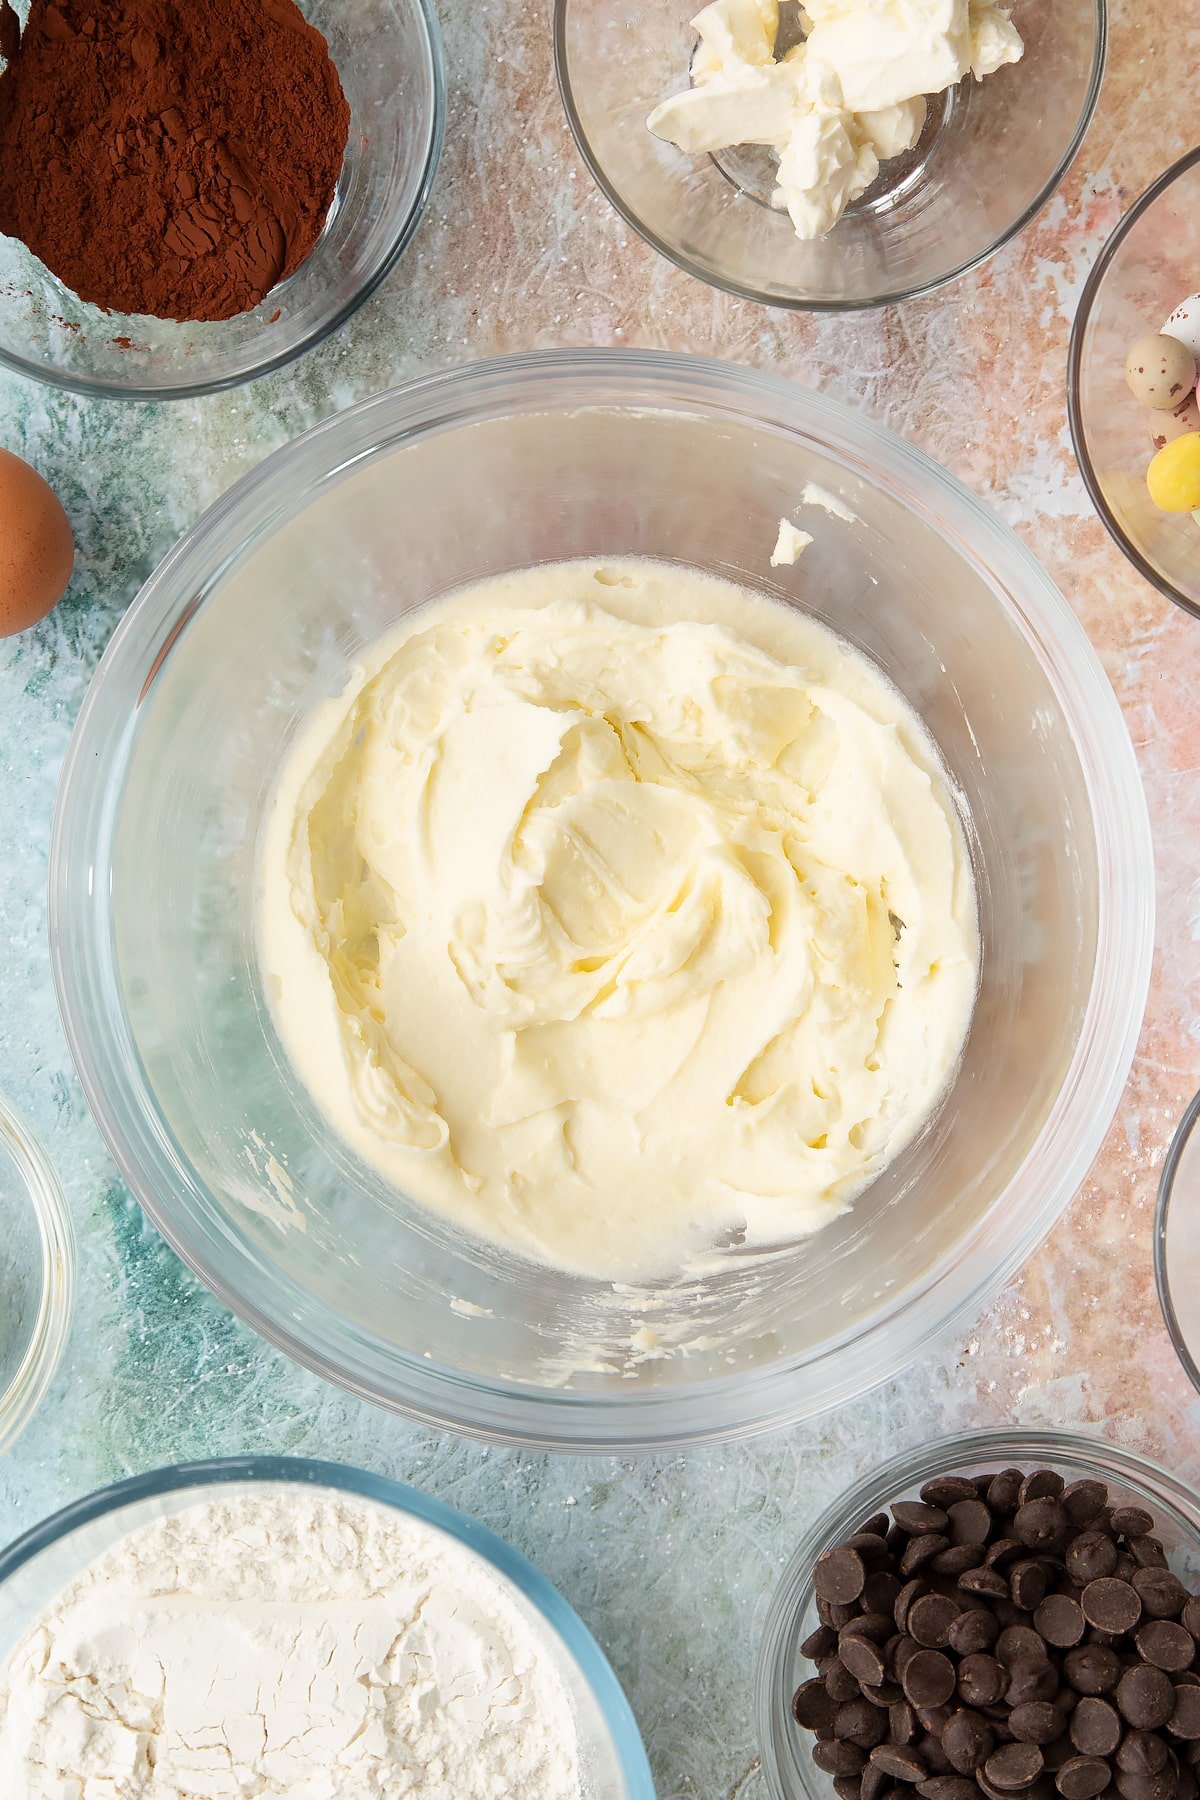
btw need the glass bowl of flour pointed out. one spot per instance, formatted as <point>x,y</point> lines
<point>278,1626</point>
<point>37,1274</point>
<point>900,168</point>
<point>618,906</point>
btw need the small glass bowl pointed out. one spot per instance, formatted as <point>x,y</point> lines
<point>37,1275</point>
<point>991,155</point>
<point>37,1567</point>
<point>1149,264</point>
<point>1177,1242</point>
<point>790,1771</point>
<point>389,57</point>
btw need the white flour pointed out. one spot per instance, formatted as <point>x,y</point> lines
<point>282,1642</point>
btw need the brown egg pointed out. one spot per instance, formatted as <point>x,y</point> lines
<point>36,547</point>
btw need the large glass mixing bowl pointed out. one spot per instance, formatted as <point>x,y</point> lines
<point>257,613</point>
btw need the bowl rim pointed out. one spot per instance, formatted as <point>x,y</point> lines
<point>95,387</point>
<point>1075,420</point>
<point>795,302</point>
<point>1162,1279</point>
<point>552,1608</point>
<point>964,1279</point>
<point>56,1242</point>
<point>1088,1450</point>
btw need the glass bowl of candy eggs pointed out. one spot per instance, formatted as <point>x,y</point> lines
<point>1134,414</point>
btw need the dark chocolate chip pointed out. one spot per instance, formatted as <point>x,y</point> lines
<point>918,1518</point>
<point>900,1761</point>
<point>1111,1605</point>
<point>1131,1521</point>
<point>839,1681</point>
<point>903,1653</point>
<point>1082,1778</point>
<point>858,1722</point>
<point>819,1643</point>
<point>1090,1557</point>
<point>1141,1753</point>
<point>1037,1722</point>
<point>839,1576</point>
<point>1184,1721</point>
<point>1083,1501</point>
<point>847,1787</point>
<point>1043,1484</point>
<point>982,1681</point>
<point>1032,1681</point>
<point>988,1582</point>
<point>929,1678</point>
<point>875,1625</point>
<point>1146,1787</point>
<point>946,1490</point>
<point>958,1559</point>
<point>973,1630</point>
<point>902,1723</point>
<point>864,1658</point>
<point>1014,1767</point>
<point>1059,1620</point>
<point>1166,1645</point>
<point>1147,1553</point>
<point>948,1787</point>
<point>1004,1552</point>
<point>1040,1523</point>
<point>1019,1644</point>
<point>1003,1493</point>
<point>970,1522</point>
<point>880,1592</point>
<point>920,1550</point>
<point>912,1590</point>
<point>936,1760</point>
<point>878,1525</point>
<point>837,1758</point>
<point>870,1546</point>
<point>1095,1727</point>
<point>930,1619</point>
<point>1146,1697</point>
<point>885,1695</point>
<point>968,1740</point>
<point>1163,1595</point>
<point>812,1707</point>
<point>1027,1583</point>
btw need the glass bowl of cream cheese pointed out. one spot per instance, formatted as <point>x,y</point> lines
<point>839,155</point>
<point>377,942</point>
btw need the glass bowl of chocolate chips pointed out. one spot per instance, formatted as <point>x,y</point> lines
<point>183,209</point>
<point>1001,1616</point>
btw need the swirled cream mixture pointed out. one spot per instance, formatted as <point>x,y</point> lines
<point>618,913</point>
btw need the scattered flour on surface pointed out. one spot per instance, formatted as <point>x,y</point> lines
<point>284,1642</point>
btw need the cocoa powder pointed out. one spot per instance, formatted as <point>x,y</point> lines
<point>171,157</point>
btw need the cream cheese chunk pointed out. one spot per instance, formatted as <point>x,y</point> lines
<point>616,913</point>
<point>834,107</point>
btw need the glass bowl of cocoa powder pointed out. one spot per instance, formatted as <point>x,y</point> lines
<point>194,158</point>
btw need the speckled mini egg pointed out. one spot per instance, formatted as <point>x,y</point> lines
<point>1161,372</point>
<point>1165,427</point>
<point>1174,476</point>
<point>1184,324</point>
<point>36,547</point>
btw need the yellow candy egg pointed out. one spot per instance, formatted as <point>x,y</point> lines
<point>1174,476</point>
